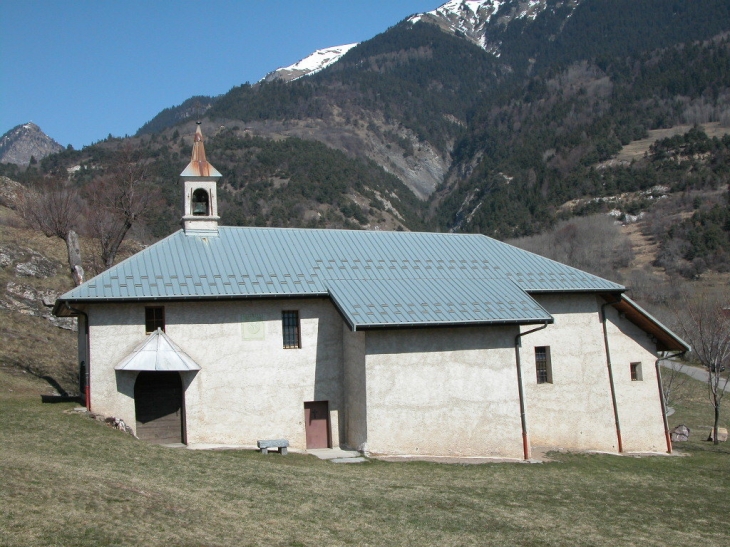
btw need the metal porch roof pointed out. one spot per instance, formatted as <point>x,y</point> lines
<point>158,353</point>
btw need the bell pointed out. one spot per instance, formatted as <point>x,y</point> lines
<point>200,208</point>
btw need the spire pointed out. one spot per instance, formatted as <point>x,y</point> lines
<point>199,166</point>
<point>200,208</point>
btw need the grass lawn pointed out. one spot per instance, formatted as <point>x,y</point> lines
<point>67,480</point>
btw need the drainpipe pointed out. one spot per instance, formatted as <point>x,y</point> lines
<point>610,376</point>
<point>87,364</point>
<point>661,397</point>
<point>523,420</point>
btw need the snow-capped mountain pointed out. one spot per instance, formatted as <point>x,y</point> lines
<point>320,59</point>
<point>25,141</point>
<point>471,18</point>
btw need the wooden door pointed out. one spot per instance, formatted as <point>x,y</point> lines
<point>158,402</point>
<point>317,424</point>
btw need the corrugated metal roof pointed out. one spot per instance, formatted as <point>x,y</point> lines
<point>268,262</point>
<point>414,302</point>
<point>158,352</point>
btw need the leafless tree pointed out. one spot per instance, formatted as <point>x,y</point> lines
<point>119,198</point>
<point>673,380</point>
<point>54,207</point>
<point>595,244</point>
<point>704,323</point>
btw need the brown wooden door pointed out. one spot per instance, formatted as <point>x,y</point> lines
<point>317,424</point>
<point>158,402</point>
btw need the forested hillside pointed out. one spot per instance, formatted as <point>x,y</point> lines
<point>265,182</point>
<point>420,128</point>
<point>540,148</point>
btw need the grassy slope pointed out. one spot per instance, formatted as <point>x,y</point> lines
<point>67,480</point>
<point>31,342</point>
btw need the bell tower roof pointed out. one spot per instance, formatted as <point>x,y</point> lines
<point>199,166</point>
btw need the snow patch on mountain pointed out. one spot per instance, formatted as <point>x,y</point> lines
<point>471,18</point>
<point>319,60</point>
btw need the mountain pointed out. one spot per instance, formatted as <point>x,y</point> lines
<point>470,19</point>
<point>25,142</point>
<point>194,107</point>
<point>319,60</point>
<point>495,117</point>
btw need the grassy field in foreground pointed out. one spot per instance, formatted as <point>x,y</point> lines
<point>67,480</point>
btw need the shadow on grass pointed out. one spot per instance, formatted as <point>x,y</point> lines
<point>702,447</point>
<point>62,397</point>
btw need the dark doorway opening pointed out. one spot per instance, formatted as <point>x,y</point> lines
<point>158,403</point>
<point>317,424</point>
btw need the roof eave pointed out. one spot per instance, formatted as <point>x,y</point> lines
<point>442,324</point>
<point>666,339</point>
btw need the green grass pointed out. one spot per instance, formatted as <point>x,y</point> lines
<point>68,480</point>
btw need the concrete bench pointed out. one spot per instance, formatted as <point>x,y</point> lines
<point>280,444</point>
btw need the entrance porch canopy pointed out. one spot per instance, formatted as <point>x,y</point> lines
<point>158,353</point>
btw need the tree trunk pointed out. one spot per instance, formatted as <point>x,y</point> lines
<point>114,244</point>
<point>74,257</point>
<point>715,440</point>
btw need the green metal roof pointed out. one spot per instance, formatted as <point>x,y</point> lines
<point>461,278</point>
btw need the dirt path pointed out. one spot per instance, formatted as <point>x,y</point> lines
<point>645,248</point>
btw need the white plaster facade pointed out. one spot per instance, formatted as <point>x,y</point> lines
<point>426,391</point>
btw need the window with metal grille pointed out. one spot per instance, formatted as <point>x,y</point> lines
<point>154,318</point>
<point>636,372</point>
<point>290,329</point>
<point>542,365</point>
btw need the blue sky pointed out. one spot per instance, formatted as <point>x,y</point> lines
<point>82,69</point>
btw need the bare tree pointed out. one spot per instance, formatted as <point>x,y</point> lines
<point>704,323</point>
<point>673,380</point>
<point>118,199</point>
<point>54,206</point>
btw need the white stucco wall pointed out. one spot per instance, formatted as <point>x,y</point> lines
<point>447,392</point>
<point>247,389</point>
<point>353,347</point>
<point>638,402</point>
<point>575,411</point>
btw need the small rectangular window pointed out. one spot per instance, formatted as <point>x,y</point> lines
<point>290,329</point>
<point>636,372</point>
<point>154,318</point>
<point>542,365</point>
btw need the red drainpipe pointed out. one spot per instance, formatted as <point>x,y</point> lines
<point>523,419</point>
<point>610,377</point>
<point>87,363</point>
<point>667,436</point>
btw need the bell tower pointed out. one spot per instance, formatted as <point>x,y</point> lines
<point>200,209</point>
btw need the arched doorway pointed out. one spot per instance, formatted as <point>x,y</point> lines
<point>158,403</point>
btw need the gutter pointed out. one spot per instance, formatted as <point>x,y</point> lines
<point>610,376</point>
<point>667,436</point>
<point>87,364</point>
<point>523,418</point>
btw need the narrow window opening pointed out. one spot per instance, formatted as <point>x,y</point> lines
<point>636,375</point>
<point>154,318</point>
<point>290,329</point>
<point>543,365</point>
<point>200,202</point>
